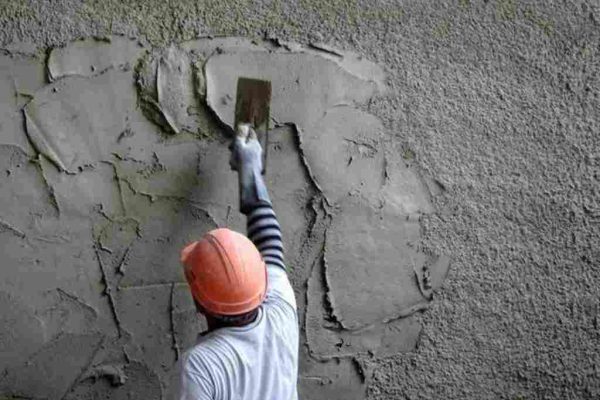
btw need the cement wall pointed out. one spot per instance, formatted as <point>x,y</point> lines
<point>432,131</point>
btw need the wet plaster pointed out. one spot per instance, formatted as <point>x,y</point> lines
<point>122,158</point>
<point>42,246</point>
<point>295,191</point>
<point>75,120</point>
<point>23,331</point>
<point>120,381</point>
<point>344,151</point>
<point>332,380</point>
<point>50,372</point>
<point>370,278</point>
<point>172,89</point>
<point>20,76</point>
<point>93,56</point>
<point>327,339</point>
<point>67,313</point>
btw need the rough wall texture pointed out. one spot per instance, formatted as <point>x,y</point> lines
<point>492,104</point>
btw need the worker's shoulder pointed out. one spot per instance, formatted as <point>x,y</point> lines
<point>194,360</point>
<point>279,288</point>
<point>205,355</point>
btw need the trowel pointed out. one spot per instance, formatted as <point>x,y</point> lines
<point>252,106</point>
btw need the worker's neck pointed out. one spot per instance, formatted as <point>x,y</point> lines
<point>217,323</point>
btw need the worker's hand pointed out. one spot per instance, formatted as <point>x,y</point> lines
<point>246,153</point>
<point>246,159</point>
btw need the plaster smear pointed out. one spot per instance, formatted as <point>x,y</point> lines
<point>42,249</point>
<point>122,381</point>
<point>41,377</point>
<point>74,120</point>
<point>151,249</point>
<point>172,88</point>
<point>107,171</point>
<point>345,152</point>
<point>286,172</point>
<point>24,191</point>
<point>67,313</point>
<point>92,56</point>
<point>145,313</point>
<point>20,76</point>
<point>305,85</point>
<point>327,340</point>
<point>22,331</point>
<point>371,278</point>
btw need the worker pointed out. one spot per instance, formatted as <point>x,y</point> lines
<point>240,285</point>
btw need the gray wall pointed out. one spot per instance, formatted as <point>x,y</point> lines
<point>491,108</point>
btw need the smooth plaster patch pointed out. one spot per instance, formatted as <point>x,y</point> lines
<point>317,91</point>
<point>355,64</point>
<point>305,86</point>
<point>327,340</point>
<point>20,76</point>
<point>91,190</point>
<point>405,191</point>
<point>26,71</point>
<point>75,120</point>
<point>370,277</point>
<point>345,153</point>
<point>92,56</point>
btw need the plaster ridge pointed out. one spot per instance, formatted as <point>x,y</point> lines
<point>304,160</point>
<point>123,262</point>
<point>320,47</point>
<point>76,299</point>
<point>117,180</point>
<point>49,188</point>
<point>421,306</point>
<point>6,226</point>
<point>174,342</point>
<point>108,291</point>
<point>329,300</point>
<point>49,153</point>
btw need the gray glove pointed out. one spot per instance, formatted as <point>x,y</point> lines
<point>246,159</point>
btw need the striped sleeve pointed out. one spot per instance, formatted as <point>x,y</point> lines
<point>265,233</point>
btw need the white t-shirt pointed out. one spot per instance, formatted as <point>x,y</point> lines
<point>258,361</point>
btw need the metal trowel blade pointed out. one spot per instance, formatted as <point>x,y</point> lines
<point>252,106</point>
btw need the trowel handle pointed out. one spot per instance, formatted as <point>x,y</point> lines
<point>264,143</point>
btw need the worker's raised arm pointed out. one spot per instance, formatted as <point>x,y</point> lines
<point>262,225</point>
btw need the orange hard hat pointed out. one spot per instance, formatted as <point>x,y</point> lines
<point>226,273</point>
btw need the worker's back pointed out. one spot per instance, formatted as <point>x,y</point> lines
<point>251,362</point>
